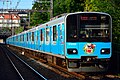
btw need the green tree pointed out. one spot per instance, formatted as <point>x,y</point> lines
<point>19,30</point>
<point>39,17</point>
<point>67,6</point>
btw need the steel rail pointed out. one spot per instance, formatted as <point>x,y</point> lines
<point>27,65</point>
<point>13,65</point>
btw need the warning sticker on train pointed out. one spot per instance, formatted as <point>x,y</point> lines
<point>89,48</point>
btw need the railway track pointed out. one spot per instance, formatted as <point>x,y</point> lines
<point>23,70</point>
<point>54,68</point>
<point>71,75</point>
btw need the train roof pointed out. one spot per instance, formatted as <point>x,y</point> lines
<point>55,20</point>
<point>51,22</point>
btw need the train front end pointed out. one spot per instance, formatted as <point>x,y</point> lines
<point>88,41</point>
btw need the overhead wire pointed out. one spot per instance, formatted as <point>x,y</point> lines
<point>17,4</point>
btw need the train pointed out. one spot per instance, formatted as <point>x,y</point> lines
<point>83,40</point>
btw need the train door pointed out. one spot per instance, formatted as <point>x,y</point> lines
<point>61,39</point>
<point>47,39</point>
<point>54,40</point>
<point>32,40</point>
<point>18,40</point>
<point>25,40</point>
<point>37,40</point>
<point>50,38</point>
<point>42,39</point>
<point>29,42</point>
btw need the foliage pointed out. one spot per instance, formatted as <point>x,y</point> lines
<point>67,6</point>
<point>5,29</point>
<point>39,17</point>
<point>19,30</point>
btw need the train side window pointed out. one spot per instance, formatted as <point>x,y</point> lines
<point>17,38</point>
<point>32,36</point>
<point>36,36</point>
<point>41,35</point>
<point>47,34</point>
<point>54,33</point>
<point>13,38</point>
<point>20,38</point>
<point>27,36</point>
<point>23,38</point>
<point>60,31</point>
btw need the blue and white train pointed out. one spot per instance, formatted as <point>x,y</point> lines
<point>82,39</point>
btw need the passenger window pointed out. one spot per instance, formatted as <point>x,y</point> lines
<point>17,38</point>
<point>47,34</point>
<point>60,31</point>
<point>23,38</point>
<point>27,36</point>
<point>32,36</point>
<point>20,38</point>
<point>13,38</point>
<point>54,33</point>
<point>41,35</point>
<point>36,36</point>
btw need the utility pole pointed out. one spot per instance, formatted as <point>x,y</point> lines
<point>51,8</point>
<point>29,20</point>
<point>17,4</point>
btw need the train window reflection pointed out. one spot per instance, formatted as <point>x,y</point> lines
<point>88,27</point>
<point>54,33</point>
<point>32,36</point>
<point>47,34</point>
<point>27,36</point>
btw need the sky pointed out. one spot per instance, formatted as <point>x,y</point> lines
<point>11,4</point>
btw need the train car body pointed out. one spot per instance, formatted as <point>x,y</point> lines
<point>83,39</point>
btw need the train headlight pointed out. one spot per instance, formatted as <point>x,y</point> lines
<point>72,51</point>
<point>102,51</point>
<point>105,51</point>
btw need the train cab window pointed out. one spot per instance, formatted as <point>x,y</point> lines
<point>88,27</point>
<point>32,36</point>
<point>72,27</point>
<point>54,33</point>
<point>95,27</point>
<point>47,34</point>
